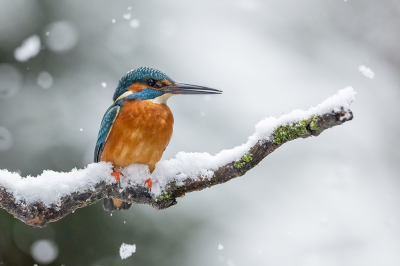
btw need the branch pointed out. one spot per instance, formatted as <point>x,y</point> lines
<point>49,197</point>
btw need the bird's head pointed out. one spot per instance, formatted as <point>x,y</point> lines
<point>146,83</point>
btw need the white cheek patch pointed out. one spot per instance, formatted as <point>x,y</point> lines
<point>125,94</point>
<point>162,99</point>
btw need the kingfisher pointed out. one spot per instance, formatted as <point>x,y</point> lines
<point>138,126</point>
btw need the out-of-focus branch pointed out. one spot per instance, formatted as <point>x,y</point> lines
<point>36,214</point>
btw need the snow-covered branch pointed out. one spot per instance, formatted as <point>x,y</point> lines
<point>49,197</point>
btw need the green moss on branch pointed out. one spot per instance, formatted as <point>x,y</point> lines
<point>164,196</point>
<point>295,130</point>
<point>245,158</point>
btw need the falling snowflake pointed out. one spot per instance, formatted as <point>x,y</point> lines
<point>127,16</point>
<point>126,250</point>
<point>30,48</point>
<point>134,23</point>
<point>366,71</point>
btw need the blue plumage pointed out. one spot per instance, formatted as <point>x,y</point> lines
<point>145,94</point>
<point>139,75</point>
<point>105,127</point>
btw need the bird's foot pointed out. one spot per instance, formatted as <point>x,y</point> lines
<point>149,183</point>
<point>116,175</point>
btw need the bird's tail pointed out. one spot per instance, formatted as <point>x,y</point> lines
<point>114,204</point>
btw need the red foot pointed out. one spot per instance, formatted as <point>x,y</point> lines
<point>116,175</point>
<point>149,183</point>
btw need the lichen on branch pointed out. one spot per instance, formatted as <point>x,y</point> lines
<point>295,130</point>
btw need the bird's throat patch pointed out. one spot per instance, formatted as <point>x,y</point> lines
<point>162,99</point>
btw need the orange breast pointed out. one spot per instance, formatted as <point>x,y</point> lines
<point>140,134</point>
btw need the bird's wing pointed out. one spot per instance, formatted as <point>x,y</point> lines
<point>105,129</point>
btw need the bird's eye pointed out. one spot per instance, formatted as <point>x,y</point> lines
<point>151,82</point>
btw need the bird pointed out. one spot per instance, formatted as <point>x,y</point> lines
<point>138,126</point>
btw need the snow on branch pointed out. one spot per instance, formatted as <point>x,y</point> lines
<point>49,197</point>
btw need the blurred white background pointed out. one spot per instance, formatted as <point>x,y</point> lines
<point>330,200</point>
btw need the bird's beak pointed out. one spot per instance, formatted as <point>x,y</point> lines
<point>182,88</point>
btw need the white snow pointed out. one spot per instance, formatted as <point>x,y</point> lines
<point>126,250</point>
<point>44,80</point>
<point>134,23</point>
<point>127,16</point>
<point>30,48</point>
<point>50,186</point>
<point>103,84</point>
<point>366,71</point>
<point>220,247</point>
<point>63,36</point>
<point>44,251</point>
<point>113,20</point>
